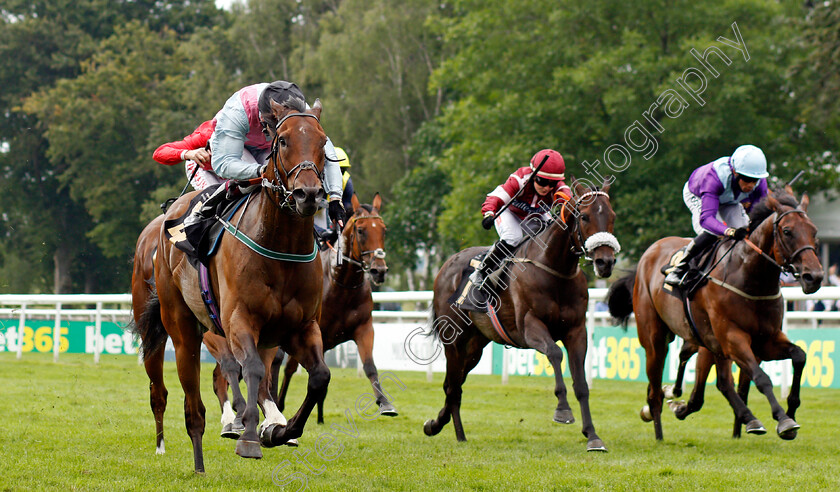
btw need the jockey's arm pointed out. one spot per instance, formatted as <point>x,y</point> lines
<point>228,144</point>
<point>709,205</point>
<point>332,172</point>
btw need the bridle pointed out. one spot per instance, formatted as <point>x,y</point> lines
<point>584,246</point>
<point>779,245</point>
<point>284,194</point>
<point>377,253</point>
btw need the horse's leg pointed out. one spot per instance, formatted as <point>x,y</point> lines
<point>738,346</point>
<point>363,337</point>
<point>726,386</point>
<point>676,390</point>
<point>183,329</point>
<point>462,355</point>
<point>273,415</point>
<point>778,349</point>
<point>288,372</point>
<point>244,347</point>
<point>705,359</point>
<point>575,343</point>
<point>654,339</point>
<point>275,377</point>
<point>743,393</point>
<point>157,394</point>
<point>307,347</point>
<point>231,372</point>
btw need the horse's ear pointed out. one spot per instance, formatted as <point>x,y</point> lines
<point>377,202</point>
<point>355,201</point>
<point>804,202</point>
<point>578,187</point>
<point>607,183</point>
<point>789,190</point>
<point>316,108</point>
<point>772,202</point>
<point>277,109</point>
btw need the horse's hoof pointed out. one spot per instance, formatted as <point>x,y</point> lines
<point>248,449</point>
<point>645,414</point>
<point>787,429</point>
<point>564,417</point>
<point>228,432</point>
<point>755,426</point>
<point>388,410</point>
<point>237,425</point>
<point>428,429</point>
<point>292,443</point>
<point>596,445</point>
<point>266,433</point>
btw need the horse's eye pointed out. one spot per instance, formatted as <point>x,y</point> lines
<point>584,217</point>
<point>787,232</point>
<point>282,141</point>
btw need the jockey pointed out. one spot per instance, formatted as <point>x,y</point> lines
<point>193,149</point>
<point>719,195</point>
<point>241,144</point>
<point>329,232</point>
<point>534,200</point>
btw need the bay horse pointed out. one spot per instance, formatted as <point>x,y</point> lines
<point>227,372</point>
<point>738,314</point>
<point>266,279</point>
<point>348,295</point>
<point>546,301</point>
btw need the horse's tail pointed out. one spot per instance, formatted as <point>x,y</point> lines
<point>150,327</point>
<point>620,298</point>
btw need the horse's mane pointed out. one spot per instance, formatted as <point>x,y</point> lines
<point>761,210</point>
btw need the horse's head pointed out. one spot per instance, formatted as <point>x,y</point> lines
<point>364,237</point>
<point>594,219</point>
<point>296,164</point>
<point>795,239</point>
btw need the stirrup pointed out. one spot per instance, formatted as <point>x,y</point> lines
<point>675,277</point>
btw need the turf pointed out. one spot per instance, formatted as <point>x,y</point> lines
<point>72,425</point>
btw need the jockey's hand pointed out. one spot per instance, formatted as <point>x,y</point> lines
<point>199,156</point>
<point>336,212</point>
<point>740,233</point>
<point>737,234</point>
<point>487,221</point>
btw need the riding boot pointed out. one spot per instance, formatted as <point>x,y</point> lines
<point>492,261</point>
<point>691,250</point>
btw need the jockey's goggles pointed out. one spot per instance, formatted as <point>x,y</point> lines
<point>545,181</point>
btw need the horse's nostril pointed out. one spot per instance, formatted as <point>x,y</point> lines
<point>299,194</point>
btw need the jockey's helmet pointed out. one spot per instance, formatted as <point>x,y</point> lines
<point>554,166</point>
<point>749,161</point>
<point>343,160</point>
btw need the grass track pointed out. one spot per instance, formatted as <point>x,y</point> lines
<point>76,426</point>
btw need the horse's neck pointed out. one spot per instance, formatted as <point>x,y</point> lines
<point>757,273</point>
<point>278,229</point>
<point>553,247</point>
<point>347,273</point>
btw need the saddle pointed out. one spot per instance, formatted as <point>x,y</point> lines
<point>200,241</point>
<point>695,276</point>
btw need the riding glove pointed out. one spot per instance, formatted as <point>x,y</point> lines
<point>487,222</point>
<point>336,211</point>
<point>737,234</point>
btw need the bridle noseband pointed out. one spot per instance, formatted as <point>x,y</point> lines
<point>584,247</point>
<point>285,195</point>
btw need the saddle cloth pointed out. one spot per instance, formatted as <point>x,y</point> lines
<point>200,240</point>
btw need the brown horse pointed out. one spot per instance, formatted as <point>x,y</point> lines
<point>738,314</point>
<point>265,280</point>
<point>227,372</point>
<point>348,295</point>
<point>545,301</point>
